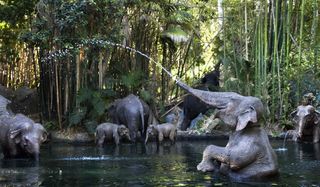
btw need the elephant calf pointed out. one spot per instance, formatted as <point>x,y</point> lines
<point>21,137</point>
<point>306,119</point>
<point>109,132</point>
<point>161,131</point>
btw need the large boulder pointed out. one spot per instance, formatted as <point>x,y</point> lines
<point>23,100</point>
<point>26,101</point>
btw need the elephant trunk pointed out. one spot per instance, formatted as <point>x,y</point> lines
<point>146,140</point>
<point>301,127</point>
<point>36,156</point>
<point>216,99</point>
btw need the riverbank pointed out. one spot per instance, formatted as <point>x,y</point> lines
<point>70,136</point>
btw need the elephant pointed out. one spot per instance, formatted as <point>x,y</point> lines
<point>193,106</point>
<point>161,131</point>
<point>21,137</point>
<point>133,113</point>
<point>306,119</point>
<point>111,131</point>
<point>248,153</point>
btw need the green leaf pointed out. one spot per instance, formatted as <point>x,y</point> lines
<point>77,116</point>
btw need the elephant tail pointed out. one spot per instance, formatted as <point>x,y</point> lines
<point>142,117</point>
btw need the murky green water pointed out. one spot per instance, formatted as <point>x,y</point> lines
<point>137,165</point>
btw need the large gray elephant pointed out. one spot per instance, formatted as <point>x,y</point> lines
<point>248,154</point>
<point>133,113</point>
<point>307,120</point>
<point>21,137</point>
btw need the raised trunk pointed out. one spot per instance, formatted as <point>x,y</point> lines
<point>301,127</point>
<point>219,100</point>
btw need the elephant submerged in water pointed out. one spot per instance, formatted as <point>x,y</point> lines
<point>21,137</point>
<point>248,154</point>
<point>307,121</point>
<point>133,113</point>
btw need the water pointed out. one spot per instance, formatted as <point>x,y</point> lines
<point>137,165</point>
<point>104,43</point>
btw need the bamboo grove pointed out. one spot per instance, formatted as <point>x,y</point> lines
<point>267,48</point>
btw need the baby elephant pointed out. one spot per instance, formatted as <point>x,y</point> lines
<point>21,137</point>
<point>109,132</point>
<point>165,130</point>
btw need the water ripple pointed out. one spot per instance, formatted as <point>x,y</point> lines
<point>101,158</point>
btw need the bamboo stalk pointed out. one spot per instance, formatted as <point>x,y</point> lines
<point>300,47</point>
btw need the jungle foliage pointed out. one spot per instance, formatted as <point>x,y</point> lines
<point>269,49</point>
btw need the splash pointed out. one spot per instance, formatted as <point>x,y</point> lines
<point>283,148</point>
<point>101,158</point>
<point>103,43</point>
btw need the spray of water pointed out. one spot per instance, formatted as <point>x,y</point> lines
<point>97,42</point>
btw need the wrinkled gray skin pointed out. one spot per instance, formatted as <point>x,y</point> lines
<point>109,131</point>
<point>306,119</point>
<point>248,154</point>
<point>21,137</point>
<point>161,131</point>
<point>133,113</point>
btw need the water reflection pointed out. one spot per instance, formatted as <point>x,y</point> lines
<point>20,172</point>
<point>148,165</point>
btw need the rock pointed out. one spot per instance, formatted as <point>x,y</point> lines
<point>6,92</point>
<point>26,101</point>
<point>71,137</point>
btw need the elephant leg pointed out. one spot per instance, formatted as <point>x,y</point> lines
<point>172,136</point>
<point>316,134</point>
<point>100,141</point>
<point>207,160</point>
<point>116,139</point>
<point>160,137</point>
<point>133,134</point>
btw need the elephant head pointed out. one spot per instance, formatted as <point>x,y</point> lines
<point>151,131</point>
<point>234,110</point>
<point>123,131</point>
<point>305,117</point>
<point>28,137</point>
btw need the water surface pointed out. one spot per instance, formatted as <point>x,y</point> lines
<point>139,165</point>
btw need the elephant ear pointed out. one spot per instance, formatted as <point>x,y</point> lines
<point>15,135</point>
<point>249,115</point>
<point>292,114</point>
<point>121,128</point>
<point>44,136</point>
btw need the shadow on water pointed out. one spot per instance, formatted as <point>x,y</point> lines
<point>149,165</point>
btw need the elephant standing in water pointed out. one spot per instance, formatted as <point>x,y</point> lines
<point>21,137</point>
<point>307,120</point>
<point>248,154</point>
<point>161,131</point>
<point>109,131</point>
<point>133,113</point>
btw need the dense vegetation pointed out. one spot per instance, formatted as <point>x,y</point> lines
<point>269,50</point>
